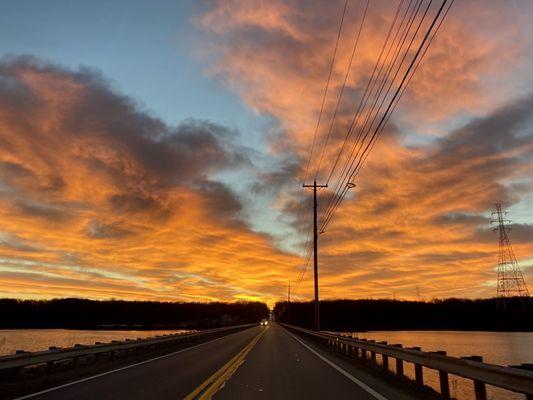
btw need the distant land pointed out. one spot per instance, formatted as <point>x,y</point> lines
<point>72,313</point>
<point>446,314</point>
<point>335,315</point>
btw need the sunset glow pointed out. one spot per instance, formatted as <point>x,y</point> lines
<point>107,193</point>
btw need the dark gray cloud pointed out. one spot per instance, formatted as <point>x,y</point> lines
<point>221,200</point>
<point>15,242</point>
<point>505,129</point>
<point>462,219</point>
<point>282,178</point>
<point>90,128</point>
<point>518,233</point>
<point>100,230</point>
<point>50,213</point>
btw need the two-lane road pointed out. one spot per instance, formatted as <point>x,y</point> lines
<point>257,363</point>
<point>281,366</point>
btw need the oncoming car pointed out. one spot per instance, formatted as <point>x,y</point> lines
<point>264,322</point>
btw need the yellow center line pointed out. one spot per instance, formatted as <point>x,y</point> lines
<point>223,374</point>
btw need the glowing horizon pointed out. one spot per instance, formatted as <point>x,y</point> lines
<point>108,191</point>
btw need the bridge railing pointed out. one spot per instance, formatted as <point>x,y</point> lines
<point>41,361</point>
<point>517,378</point>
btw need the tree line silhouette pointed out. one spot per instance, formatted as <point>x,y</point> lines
<point>117,314</point>
<point>447,314</point>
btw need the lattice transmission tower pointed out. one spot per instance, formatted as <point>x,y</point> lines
<point>510,279</point>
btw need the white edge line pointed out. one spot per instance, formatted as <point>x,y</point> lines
<point>339,369</point>
<point>118,369</point>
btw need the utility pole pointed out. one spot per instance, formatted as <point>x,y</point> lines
<point>289,304</point>
<point>315,249</point>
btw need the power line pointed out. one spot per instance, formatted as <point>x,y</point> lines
<point>316,134</point>
<point>350,129</point>
<point>366,97</point>
<point>410,77</point>
<point>326,88</point>
<point>344,184</point>
<point>392,104</point>
<point>356,42</point>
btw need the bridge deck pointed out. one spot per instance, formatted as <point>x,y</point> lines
<point>251,364</point>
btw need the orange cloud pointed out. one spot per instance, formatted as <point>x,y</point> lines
<point>419,215</point>
<point>99,199</point>
<point>277,54</point>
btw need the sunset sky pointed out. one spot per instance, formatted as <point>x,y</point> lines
<point>156,150</point>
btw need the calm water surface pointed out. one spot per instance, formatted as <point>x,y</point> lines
<point>41,339</point>
<point>502,348</point>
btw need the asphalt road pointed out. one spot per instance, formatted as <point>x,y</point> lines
<point>171,377</point>
<point>257,363</point>
<point>280,367</point>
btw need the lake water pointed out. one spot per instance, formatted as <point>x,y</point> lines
<point>40,339</point>
<point>502,348</point>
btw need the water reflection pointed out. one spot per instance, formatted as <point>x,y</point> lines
<point>502,348</point>
<point>40,339</point>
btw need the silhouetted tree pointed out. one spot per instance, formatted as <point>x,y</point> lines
<point>446,314</point>
<point>117,314</point>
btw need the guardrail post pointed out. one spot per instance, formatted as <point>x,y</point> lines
<point>349,350</point>
<point>399,362</point>
<point>419,374</point>
<point>385,362</point>
<point>363,350</point>
<point>479,386</point>
<point>373,353</point>
<point>385,358</point>
<point>443,378</point>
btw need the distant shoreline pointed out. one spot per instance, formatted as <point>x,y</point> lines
<point>119,315</point>
<point>147,329</point>
<point>483,315</point>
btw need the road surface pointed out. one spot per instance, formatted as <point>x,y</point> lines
<point>257,363</point>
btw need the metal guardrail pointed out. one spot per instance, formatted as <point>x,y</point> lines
<point>517,378</point>
<point>83,353</point>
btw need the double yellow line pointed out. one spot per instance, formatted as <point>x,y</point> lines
<point>212,384</point>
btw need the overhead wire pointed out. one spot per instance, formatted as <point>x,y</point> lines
<point>326,88</point>
<point>410,77</point>
<point>339,99</point>
<point>370,114</point>
<point>304,268</point>
<point>349,174</point>
<point>350,129</point>
<point>413,65</point>
<point>369,90</point>
<point>371,103</point>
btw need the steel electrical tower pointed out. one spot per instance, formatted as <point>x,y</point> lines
<point>510,280</point>
<point>315,249</point>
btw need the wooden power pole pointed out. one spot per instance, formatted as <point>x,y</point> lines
<point>289,305</point>
<point>315,249</point>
